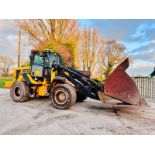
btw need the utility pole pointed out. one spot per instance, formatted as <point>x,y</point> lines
<point>26,48</point>
<point>19,40</point>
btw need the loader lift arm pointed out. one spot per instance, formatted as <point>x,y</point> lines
<point>82,83</point>
<point>118,85</point>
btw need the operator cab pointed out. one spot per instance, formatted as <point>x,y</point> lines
<point>41,63</point>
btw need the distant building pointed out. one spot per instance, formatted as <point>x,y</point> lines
<point>153,73</point>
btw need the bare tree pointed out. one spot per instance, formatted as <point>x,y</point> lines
<point>112,55</point>
<point>60,35</point>
<point>5,64</point>
<point>86,49</point>
<point>90,48</point>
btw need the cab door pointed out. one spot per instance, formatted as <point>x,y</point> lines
<point>37,65</point>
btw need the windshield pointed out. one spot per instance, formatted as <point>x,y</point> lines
<point>51,57</point>
<point>38,60</point>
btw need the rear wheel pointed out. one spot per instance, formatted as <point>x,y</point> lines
<point>19,92</point>
<point>63,96</point>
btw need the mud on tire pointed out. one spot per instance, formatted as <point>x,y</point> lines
<point>19,92</point>
<point>63,96</point>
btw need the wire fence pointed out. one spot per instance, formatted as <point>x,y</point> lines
<point>146,86</point>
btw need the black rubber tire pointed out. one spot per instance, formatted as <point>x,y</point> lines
<point>80,97</point>
<point>68,91</point>
<point>24,92</point>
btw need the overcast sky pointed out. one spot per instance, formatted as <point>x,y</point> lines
<point>138,36</point>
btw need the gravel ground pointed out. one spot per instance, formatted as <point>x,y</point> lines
<point>90,117</point>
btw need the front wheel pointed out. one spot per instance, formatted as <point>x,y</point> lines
<point>63,96</point>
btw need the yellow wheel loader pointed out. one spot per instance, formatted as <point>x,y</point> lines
<point>47,76</point>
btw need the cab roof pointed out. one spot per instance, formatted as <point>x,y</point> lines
<point>46,50</point>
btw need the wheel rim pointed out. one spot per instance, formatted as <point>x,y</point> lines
<point>60,97</point>
<point>17,91</point>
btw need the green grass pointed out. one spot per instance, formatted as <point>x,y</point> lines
<point>3,80</point>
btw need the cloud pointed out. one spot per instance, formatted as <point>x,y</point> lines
<point>137,46</point>
<point>7,27</point>
<point>140,67</point>
<point>142,30</point>
<point>148,55</point>
<point>119,29</point>
<point>9,40</point>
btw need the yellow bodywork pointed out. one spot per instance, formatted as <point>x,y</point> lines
<point>8,84</point>
<point>42,90</point>
<point>42,86</point>
<point>15,71</point>
<point>37,73</point>
<point>53,74</point>
<point>67,73</point>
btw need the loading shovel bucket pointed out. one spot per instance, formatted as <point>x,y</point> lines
<point>120,87</point>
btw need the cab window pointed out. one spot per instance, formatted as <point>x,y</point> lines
<point>47,62</point>
<point>38,60</point>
